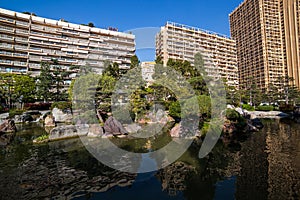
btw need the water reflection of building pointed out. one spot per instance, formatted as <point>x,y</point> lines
<point>61,175</point>
<point>252,182</point>
<point>284,161</point>
<point>173,177</point>
<point>270,163</point>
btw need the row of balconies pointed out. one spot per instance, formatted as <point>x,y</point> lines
<point>11,54</point>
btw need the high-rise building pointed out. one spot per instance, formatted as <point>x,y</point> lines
<point>182,42</point>
<point>267,34</point>
<point>27,40</point>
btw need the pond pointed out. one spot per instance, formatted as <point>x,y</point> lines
<point>265,165</point>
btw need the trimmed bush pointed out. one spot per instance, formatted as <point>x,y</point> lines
<point>265,108</point>
<point>232,115</point>
<point>248,107</point>
<point>62,105</point>
<point>13,113</point>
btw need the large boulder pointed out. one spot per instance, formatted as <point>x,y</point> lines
<point>7,130</point>
<point>175,131</point>
<point>49,121</point>
<point>60,116</point>
<point>68,131</point>
<point>133,128</point>
<point>114,127</point>
<point>95,130</point>
<point>8,126</point>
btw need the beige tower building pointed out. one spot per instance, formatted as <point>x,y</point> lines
<point>267,38</point>
<point>182,42</point>
<point>26,41</point>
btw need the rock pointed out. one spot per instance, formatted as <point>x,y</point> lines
<point>7,130</point>
<point>257,123</point>
<point>133,128</point>
<point>230,106</point>
<point>113,126</point>
<point>3,117</point>
<point>26,118</point>
<point>8,126</point>
<point>175,131</point>
<point>240,111</point>
<point>95,130</point>
<point>68,131</point>
<point>60,116</point>
<point>49,121</point>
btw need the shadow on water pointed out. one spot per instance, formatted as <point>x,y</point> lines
<point>263,166</point>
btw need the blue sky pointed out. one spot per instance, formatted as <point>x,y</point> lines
<point>127,15</point>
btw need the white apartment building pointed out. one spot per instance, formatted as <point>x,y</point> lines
<point>182,42</point>
<point>148,69</point>
<point>27,40</point>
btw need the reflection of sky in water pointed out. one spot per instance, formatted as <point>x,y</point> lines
<point>225,189</point>
<point>146,187</point>
<point>145,42</point>
<point>147,163</point>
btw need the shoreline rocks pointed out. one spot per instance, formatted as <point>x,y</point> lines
<point>7,132</point>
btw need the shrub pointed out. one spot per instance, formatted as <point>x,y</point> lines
<point>248,107</point>
<point>286,108</point>
<point>62,105</point>
<point>232,115</point>
<point>37,106</point>
<point>14,112</point>
<point>174,110</point>
<point>42,137</point>
<point>265,108</point>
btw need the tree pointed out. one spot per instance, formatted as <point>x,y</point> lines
<point>24,88</point>
<point>7,87</point>
<point>134,62</point>
<point>159,60</point>
<point>59,75</point>
<point>91,24</point>
<point>45,82</point>
<point>112,70</point>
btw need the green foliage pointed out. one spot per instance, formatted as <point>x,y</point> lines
<point>134,62</point>
<point>232,115</point>
<point>44,82</point>
<point>264,108</point>
<point>204,128</point>
<point>42,137</point>
<point>199,85</point>
<point>112,70</point>
<point>14,112</point>
<point>138,103</point>
<point>175,110</point>
<point>16,88</point>
<point>204,105</point>
<point>159,60</point>
<point>104,89</point>
<point>24,88</point>
<point>248,107</point>
<point>62,105</point>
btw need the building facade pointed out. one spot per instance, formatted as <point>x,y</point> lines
<point>181,42</point>
<point>267,38</point>
<point>27,40</point>
<point>148,69</point>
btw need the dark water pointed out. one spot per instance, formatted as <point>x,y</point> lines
<point>265,165</point>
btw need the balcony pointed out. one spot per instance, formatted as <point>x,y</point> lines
<point>7,20</point>
<point>6,62</point>
<point>6,29</point>
<point>23,24</point>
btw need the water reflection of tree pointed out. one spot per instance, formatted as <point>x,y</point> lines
<point>196,178</point>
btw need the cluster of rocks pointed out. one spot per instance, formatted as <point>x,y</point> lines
<point>111,128</point>
<point>7,132</point>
